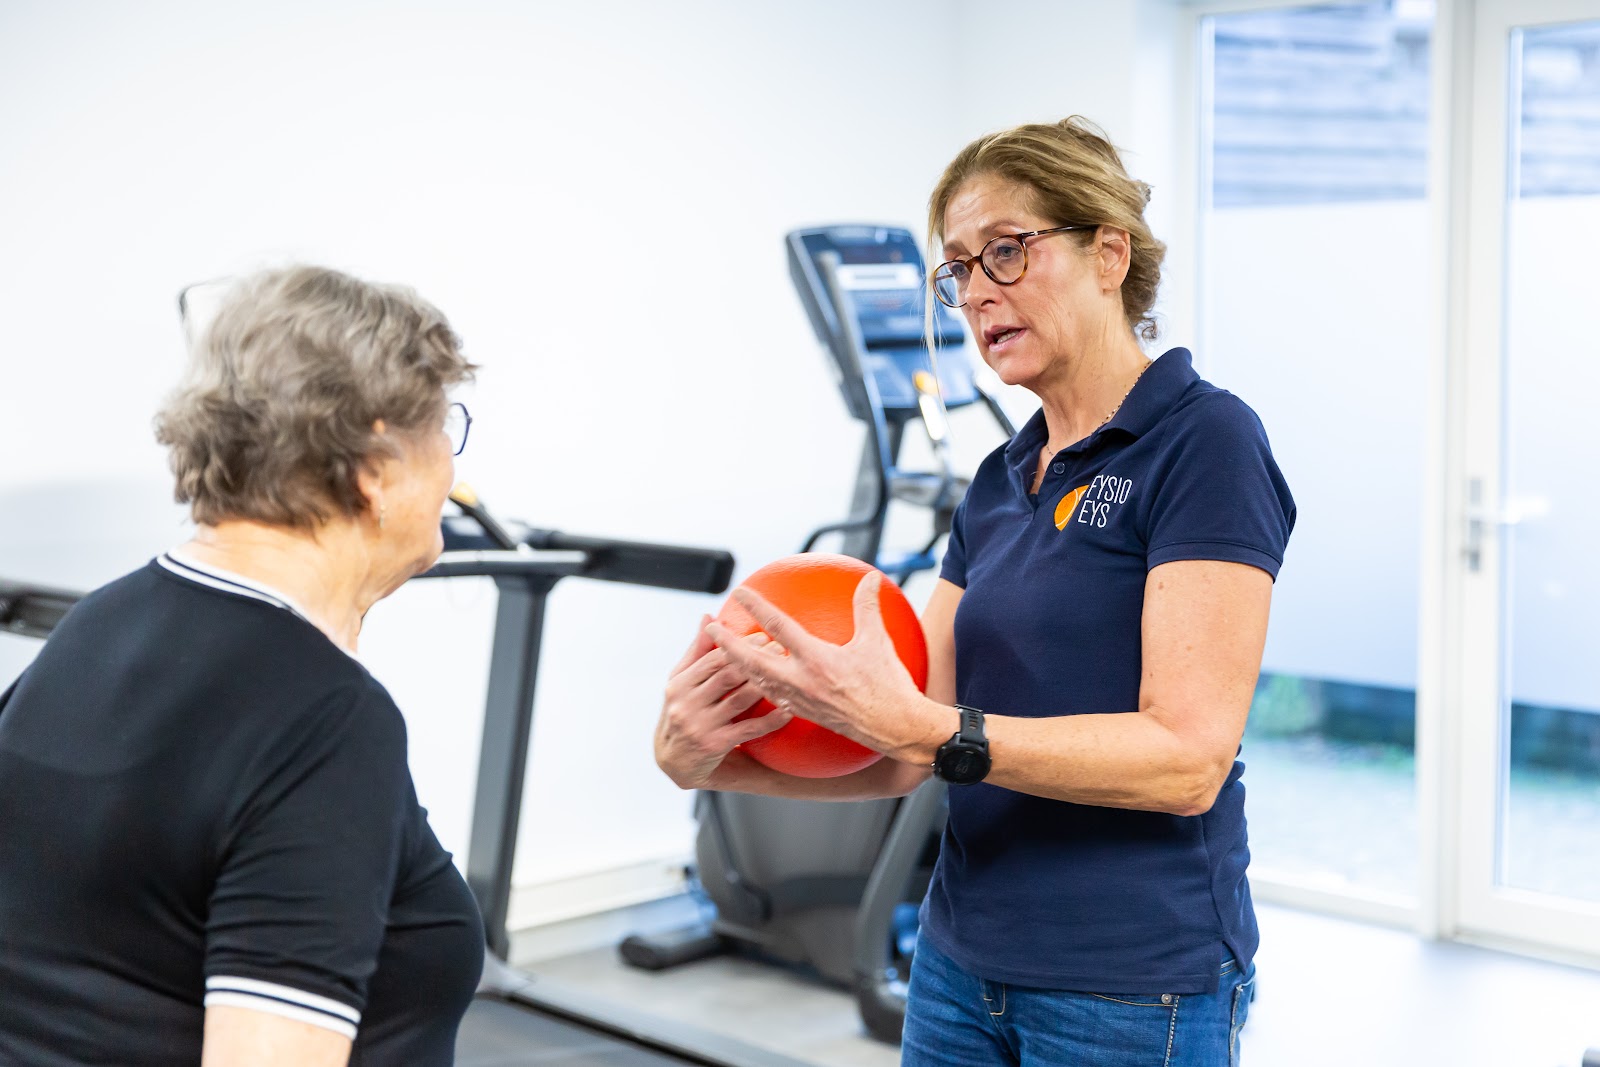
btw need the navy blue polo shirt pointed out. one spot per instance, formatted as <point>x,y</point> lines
<point>1048,894</point>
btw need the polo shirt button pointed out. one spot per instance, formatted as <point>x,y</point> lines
<point>1059,468</point>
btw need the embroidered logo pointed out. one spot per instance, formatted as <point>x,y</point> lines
<point>1091,505</point>
<point>1068,502</point>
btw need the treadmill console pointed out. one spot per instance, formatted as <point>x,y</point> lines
<point>865,290</point>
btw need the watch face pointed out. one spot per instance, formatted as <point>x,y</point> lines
<point>963,766</point>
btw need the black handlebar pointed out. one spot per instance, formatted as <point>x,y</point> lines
<point>692,570</point>
<point>31,610</point>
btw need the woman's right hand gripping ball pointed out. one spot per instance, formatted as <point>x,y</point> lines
<point>705,693</point>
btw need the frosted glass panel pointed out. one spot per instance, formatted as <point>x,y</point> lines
<point>1550,803</point>
<point>1314,260</point>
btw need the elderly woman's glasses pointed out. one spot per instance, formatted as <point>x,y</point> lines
<point>1004,260</point>
<point>457,423</point>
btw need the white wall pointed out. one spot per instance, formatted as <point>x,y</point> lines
<point>596,195</point>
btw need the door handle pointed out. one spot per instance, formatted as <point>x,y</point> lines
<point>1479,519</point>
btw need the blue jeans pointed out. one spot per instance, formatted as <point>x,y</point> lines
<point>956,1019</point>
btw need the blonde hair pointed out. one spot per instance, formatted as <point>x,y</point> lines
<point>1071,175</point>
<point>274,420</point>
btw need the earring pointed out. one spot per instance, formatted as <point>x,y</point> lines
<point>383,514</point>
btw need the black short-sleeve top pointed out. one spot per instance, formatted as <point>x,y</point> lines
<point>204,801</point>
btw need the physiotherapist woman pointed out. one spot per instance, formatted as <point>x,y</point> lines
<point>1095,638</point>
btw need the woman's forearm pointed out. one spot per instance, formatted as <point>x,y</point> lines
<point>1129,760</point>
<point>1132,760</point>
<point>1204,628</point>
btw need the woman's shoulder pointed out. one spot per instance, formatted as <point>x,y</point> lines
<point>147,665</point>
<point>1209,420</point>
<point>263,654</point>
<point>1205,406</point>
<point>346,731</point>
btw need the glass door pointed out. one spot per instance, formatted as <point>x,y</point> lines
<point>1529,856</point>
<point>1315,128</point>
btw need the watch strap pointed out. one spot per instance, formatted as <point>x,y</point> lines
<point>971,729</point>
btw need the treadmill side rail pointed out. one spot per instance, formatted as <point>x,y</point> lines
<point>880,993</point>
<point>681,1040</point>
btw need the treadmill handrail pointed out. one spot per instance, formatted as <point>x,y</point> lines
<point>33,610</point>
<point>660,566</point>
<point>878,994</point>
<point>503,564</point>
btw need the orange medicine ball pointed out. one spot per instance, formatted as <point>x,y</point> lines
<point>817,590</point>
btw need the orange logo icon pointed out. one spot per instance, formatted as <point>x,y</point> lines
<point>1068,504</point>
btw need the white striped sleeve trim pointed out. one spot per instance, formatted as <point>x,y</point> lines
<point>275,999</point>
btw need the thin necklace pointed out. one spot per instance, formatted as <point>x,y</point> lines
<point>1109,415</point>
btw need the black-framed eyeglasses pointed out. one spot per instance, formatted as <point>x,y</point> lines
<point>457,423</point>
<point>197,303</point>
<point>1004,260</point>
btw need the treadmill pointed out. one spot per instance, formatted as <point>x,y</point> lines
<point>866,294</point>
<point>517,1018</point>
<point>833,887</point>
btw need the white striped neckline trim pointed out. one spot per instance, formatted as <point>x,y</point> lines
<point>228,582</point>
<point>237,584</point>
<point>282,1000</point>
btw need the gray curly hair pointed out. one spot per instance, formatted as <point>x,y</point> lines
<point>275,417</point>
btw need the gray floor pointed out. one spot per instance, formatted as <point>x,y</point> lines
<point>1332,992</point>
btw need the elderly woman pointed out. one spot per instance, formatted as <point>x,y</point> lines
<point>1094,639</point>
<point>212,851</point>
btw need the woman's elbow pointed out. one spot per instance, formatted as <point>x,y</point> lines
<point>1196,792</point>
<point>1193,805</point>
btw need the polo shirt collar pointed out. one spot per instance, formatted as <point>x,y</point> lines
<point>1162,384</point>
<point>1160,387</point>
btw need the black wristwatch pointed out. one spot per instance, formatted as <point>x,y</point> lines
<point>964,759</point>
